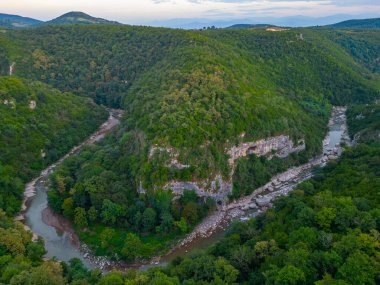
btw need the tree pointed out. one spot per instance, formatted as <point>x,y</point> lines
<point>325,217</point>
<point>190,213</point>
<point>36,250</point>
<point>68,207</point>
<point>166,222</point>
<point>106,236</point>
<point>132,247</point>
<point>111,212</point>
<point>149,219</point>
<point>80,218</point>
<point>182,225</point>
<point>290,275</point>
<point>113,278</point>
<point>92,214</point>
<point>49,273</point>
<point>357,269</point>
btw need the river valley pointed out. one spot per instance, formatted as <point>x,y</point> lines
<point>62,242</point>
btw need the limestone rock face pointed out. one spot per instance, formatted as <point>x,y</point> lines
<point>216,187</point>
<point>32,105</point>
<point>173,153</point>
<point>280,146</point>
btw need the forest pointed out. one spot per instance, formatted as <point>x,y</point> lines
<point>195,93</point>
<point>39,125</point>
<point>325,232</point>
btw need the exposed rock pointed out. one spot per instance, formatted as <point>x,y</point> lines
<point>282,146</point>
<point>11,68</point>
<point>263,200</point>
<point>32,104</point>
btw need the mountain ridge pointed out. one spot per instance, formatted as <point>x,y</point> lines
<point>372,23</point>
<point>77,17</point>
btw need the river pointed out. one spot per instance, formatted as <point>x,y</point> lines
<point>62,242</point>
<point>213,227</point>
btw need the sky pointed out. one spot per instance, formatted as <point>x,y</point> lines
<point>165,11</point>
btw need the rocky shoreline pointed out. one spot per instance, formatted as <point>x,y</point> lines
<point>57,221</point>
<point>257,202</point>
<point>260,200</point>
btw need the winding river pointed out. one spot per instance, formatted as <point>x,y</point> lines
<point>61,241</point>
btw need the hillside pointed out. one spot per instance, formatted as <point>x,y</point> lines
<point>358,24</point>
<point>17,22</point>
<point>38,125</point>
<point>325,232</point>
<point>71,18</point>
<point>78,18</point>
<point>189,98</point>
<point>247,26</point>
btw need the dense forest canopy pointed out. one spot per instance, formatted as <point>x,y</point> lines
<point>198,93</point>
<point>39,124</point>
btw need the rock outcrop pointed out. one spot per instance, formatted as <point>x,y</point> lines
<point>280,146</point>
<point>32,105</point>
<point>173,154</point>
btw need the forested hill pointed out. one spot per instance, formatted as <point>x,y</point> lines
<point>358,24</point>
<point>78,18</point>
<point>16,22</point>
<point>38,125</point>
<point>199,91</point>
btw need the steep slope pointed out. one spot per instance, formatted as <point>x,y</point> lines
<point>17,22</point>
<point>38,125</point>
<point>78,18</point>
<point>189,97</point>
<point>358,24</point>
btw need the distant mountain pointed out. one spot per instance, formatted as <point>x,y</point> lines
<point>79,18</point>
<point>359,24</point>
<point>17,22</point>
<point>249,26</point>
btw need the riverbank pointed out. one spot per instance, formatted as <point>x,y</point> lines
<point>60,238</point>
<point>261,199</point>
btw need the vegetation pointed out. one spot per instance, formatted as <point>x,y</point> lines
<point>358,24</point>
<point>325,232</point>
<point>78,18</point>
<point>38,126</point>
<point>194,93</point>
<point>364,122</point>
<point>197,91</point>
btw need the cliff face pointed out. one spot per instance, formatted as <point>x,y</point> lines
<point>280,146</point>
<point>217,188</point>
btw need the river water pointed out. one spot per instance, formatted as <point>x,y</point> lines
<point>260,200</point>
<point>61,241</point>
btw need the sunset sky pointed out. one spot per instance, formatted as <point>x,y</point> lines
<point>145,11</point>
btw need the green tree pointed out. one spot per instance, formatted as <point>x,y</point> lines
<point>68,207</point>
<point>190,213</point>
<point>325,217</point>
<point>358,269</point>
<point>111,212</point>
<point>290,275</point>
<point>80,218</point>
<point>92,214</point>
<point>132,247</point>
<point>149,219</point>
